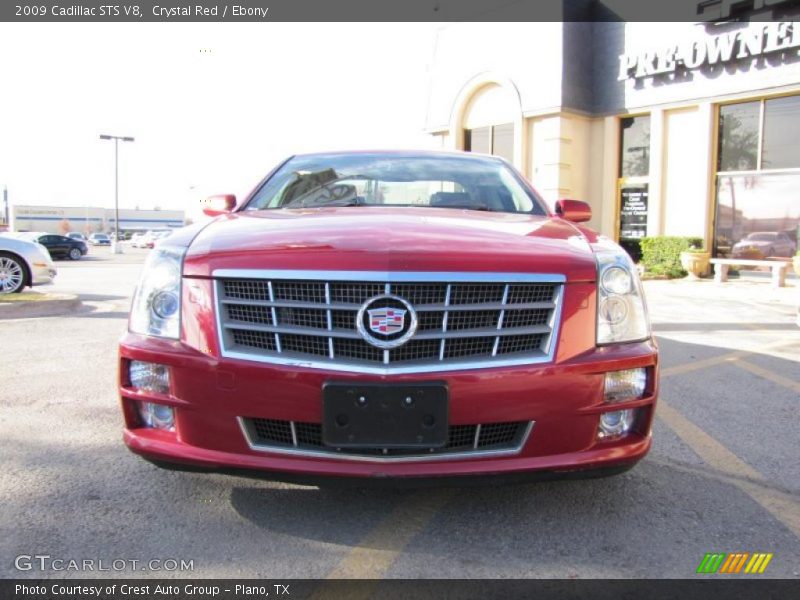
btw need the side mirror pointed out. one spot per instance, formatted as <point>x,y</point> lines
<point>576,211</point>
<point>219,205</point>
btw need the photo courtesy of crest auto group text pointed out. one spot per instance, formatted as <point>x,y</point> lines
<point>433,299</point>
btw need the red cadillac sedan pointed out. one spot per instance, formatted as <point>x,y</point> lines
<point>390,314</point>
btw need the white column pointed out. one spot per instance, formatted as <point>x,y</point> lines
<point>655,207</point>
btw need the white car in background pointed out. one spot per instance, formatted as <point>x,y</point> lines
<point>158,237</point>
<point>23,263</point>
<point>137,240</point>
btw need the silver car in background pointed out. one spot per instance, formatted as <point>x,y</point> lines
<point>23,263</point>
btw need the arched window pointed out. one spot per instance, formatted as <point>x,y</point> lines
<point>489,122</point>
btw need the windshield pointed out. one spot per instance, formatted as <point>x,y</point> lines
<point>761,237</point>
<point>446,181</point>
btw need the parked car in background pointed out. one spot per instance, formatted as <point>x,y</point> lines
<point>138,239</point>
<point>390,314</point>
<point>31,236</point>
<point>60,246</point>
<point>158,237</point>
<point>762,244</point>
<point>149,238</point>
<point>99,239</point>
<point>75,235</point>
<point>23,263</point>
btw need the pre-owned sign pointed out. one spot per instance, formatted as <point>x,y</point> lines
<point>756,40</point>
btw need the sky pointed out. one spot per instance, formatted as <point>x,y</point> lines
<point>212,107</point>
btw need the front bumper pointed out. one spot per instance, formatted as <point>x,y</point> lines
<point>43,273</point>
<point>211,395</point>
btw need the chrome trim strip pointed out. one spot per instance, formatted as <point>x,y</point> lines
<point>444,320</point>
<point>294,433</point>
<point>500,321</point>
<point>477,436</point>
<point>419,308</point>
<point>555,322</point>
<point>391,276</point>
<point>274,318</point>
<point>333,455</point>
<point>351,335</point>
<point>351,368</point>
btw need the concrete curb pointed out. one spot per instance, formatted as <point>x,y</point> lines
<point>56,304</point>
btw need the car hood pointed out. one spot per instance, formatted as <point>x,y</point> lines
<point>391,239</point>
<point>756,243</point>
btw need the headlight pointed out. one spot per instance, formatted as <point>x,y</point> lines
<point>156,306</point>
<point>621,311</point>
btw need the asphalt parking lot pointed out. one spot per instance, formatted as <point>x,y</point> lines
<point>723,475</point>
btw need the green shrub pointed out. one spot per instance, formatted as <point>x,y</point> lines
<point>662,255</point>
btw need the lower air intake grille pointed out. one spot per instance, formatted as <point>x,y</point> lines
<point>271,434</point>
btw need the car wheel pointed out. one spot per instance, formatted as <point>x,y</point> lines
<point>12,274</point>
<point>75,254</point>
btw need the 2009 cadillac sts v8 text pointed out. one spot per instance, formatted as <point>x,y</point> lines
<point>388,314</point>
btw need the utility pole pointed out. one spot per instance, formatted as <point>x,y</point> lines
<point>116,248</point>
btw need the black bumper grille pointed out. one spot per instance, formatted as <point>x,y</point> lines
<point>279,434</point>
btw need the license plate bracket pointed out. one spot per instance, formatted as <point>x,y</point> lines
<point>385,415</point>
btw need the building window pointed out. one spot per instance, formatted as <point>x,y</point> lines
<point>494,139</point>
<point>758,172</point>
<point>781,145</point>
<point>634,160</point>
<point>738,136</point>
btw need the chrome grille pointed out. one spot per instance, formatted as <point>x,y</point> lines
<point>464,320</point>
<point>306,438</point>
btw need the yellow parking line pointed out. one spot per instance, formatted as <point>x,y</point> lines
<point>703,364</point>
<point>730,357</point>
<point>781,506</point>
<point>376,553</point>
<point>769,375</point>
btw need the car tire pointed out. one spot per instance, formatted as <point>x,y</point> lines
<point>75,254</point>
<point>13,274</point>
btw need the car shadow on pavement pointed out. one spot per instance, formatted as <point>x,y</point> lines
<point>658,519</point>
<point>627,525</point>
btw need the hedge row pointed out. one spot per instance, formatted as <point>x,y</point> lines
<point>661,255</point>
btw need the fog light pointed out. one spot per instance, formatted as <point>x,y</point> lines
<point>616,423</point>
<point>149,377</point>
<point>625,385</point>
<point>157,416</point>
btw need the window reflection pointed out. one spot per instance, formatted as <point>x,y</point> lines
<point>758,215</point>
<point>781,133</point>
<point>738,136</point>
<point>634,158</point>
<point>494,139</point>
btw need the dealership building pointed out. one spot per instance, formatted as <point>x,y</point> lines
<point>88,220</point>
<point>679,129</point>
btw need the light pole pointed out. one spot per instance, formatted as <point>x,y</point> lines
<point>116,248</point>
